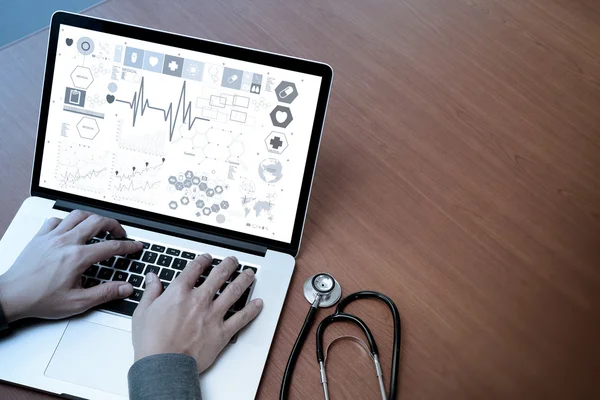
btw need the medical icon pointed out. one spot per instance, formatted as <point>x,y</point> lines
<point>172,65</point>
<point>281,116</point>
<point>232,78</point>
<point>134,57</point>
<point>85,45</point>
<point>286,92</point>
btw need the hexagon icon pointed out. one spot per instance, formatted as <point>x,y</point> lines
<point>172,180</point>
<point>276,142</point>
<point>173,205</point>
<point>88,128</point>
<point>185,201</point>
<point>215,208</point>
<point>196,180</point>
<point>203,186</point>
<point>189,175</point>
<point>200,203</point>
<point>187,183</point>
<point>218,189</point>
<point>179,186</point>
<point>281,116</point>
<point>206,211</point>
<point>82,77</point>
<point>286,92</point>
<point>210,192</point>
<point>224,204</point>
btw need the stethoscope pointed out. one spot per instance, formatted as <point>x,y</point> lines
<point>322,291</point>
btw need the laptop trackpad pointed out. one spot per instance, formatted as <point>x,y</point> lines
<point>93,355</point>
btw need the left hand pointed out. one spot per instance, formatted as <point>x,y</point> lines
<point>45,281</point>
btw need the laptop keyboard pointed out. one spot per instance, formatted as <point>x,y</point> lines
<point>166,262</point>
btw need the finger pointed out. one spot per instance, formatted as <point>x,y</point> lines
<point>88,298</point>
<point>93,253</point>
<point>72,220</point>
<point>242,318</point>
<point>219,275</point>
<point>49,225</point>
<point>234,291</point>
<point>193,270</point>
<point>152,291</point>
<point>94,224</point>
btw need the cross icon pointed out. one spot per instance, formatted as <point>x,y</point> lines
<point>276,143</point>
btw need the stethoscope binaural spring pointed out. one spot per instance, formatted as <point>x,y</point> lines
<point>322,290</point>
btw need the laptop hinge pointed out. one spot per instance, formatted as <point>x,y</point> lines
<point>167,229</point>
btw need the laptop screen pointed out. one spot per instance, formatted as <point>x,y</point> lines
<point>185,134</point>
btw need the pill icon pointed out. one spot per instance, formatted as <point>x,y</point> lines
<point>286,92</point>
<point>133,57</point>
<point>232,78</point>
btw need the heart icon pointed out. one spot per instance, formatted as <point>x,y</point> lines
<point>110,98</point>
<point>69,41</point>
<point>281,116</point>
<point>153,61</point>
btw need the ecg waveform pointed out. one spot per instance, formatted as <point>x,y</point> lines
<point>70,179</point>
<point>139,104</point>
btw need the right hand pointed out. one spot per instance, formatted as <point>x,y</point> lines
<point>185,319</point>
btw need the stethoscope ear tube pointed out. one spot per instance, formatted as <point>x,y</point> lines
<point>343,317</point>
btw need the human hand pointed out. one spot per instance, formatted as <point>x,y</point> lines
<point>185,319</point>
<point>45,281</point>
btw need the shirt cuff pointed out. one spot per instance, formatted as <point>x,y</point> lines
<point>164,376</point>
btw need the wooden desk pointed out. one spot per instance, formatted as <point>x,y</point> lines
<point>458,173</point>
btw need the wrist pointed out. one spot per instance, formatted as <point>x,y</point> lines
<point>7,302</point>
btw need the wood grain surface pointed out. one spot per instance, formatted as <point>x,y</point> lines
<point>458,173</point>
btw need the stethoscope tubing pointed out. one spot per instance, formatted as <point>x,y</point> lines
<point>339,316</point>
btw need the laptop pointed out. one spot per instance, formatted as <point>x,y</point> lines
<point>195,147</point>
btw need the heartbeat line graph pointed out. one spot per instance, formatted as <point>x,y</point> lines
<point>139,104</point>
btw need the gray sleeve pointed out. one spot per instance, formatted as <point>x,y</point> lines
<point>3,321</point>
<point>164,377</point>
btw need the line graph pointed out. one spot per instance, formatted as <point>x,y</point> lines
<point>132,188</point>
<point>69,178</point>
<point>82,167</point>
<point>137,179</point>
<point>139,104</point>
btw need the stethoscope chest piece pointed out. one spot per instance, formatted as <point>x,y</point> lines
<point>323,285</point>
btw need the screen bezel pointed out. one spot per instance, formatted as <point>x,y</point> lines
<point>220,49</point>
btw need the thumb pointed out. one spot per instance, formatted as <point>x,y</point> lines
<point>106,292</point>
<point>153,290</point>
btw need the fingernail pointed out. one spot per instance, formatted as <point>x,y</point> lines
<point>259,303</point>
<point>234,259</point>
<point>125,290</point>
<point>249,272</point>
<point>205,255</point>
<point>149,277</point>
